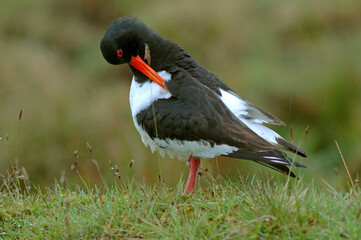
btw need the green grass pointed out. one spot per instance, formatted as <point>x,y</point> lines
<point>299,60</point>
<point>251,208</point>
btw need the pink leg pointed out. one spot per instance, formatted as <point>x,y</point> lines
<point>193,164</point>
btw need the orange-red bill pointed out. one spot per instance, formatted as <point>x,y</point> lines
<point>144,68</point>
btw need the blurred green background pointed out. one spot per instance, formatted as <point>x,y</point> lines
<point>300,60</point>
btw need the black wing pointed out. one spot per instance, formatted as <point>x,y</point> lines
<point>196,112</point>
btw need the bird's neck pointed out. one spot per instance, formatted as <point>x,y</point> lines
<point>166,56</point>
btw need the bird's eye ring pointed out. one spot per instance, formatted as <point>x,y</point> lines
<point>120,53</point>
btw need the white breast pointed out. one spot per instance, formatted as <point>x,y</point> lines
<point>142,95</point>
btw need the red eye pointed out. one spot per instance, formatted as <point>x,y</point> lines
<point>120,53</point>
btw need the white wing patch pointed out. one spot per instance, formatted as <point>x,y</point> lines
<point>249,116</point>
<point>237,105</point>
<point>242,108</point>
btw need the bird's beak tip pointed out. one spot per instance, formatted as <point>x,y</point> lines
<point>138,63</point>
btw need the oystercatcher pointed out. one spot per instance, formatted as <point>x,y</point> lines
<point>182,109</point>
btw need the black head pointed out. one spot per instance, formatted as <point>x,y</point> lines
<point>124,38</point>
<point>126,41</point>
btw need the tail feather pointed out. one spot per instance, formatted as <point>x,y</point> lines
<point>274,159</point>
<point>280,168</point>
<point>291,147</point>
